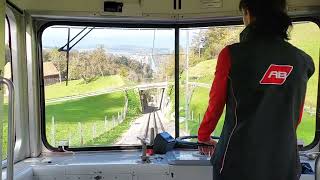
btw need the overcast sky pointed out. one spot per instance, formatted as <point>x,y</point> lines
<point>164,38</point>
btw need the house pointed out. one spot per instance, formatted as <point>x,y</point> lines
<point>50,73</point>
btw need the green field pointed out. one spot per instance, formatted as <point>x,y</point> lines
<point>95,117</point>
<point>76,87</point>
<point>87,111</point>
<point>110,137</point>
<point>306,37</point>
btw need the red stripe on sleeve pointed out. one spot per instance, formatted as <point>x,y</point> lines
<point>218,94</point>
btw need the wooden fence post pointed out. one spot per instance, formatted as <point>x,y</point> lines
<point>94,130</point>
<point>69,137</point>
<point>80,132</point>
<point>192,115</point>
<point>105,123</point>
<point>122,117</point>
<point>114,121</point>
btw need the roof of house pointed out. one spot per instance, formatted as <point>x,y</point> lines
<point>48,70</point>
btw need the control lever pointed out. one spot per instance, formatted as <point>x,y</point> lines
<point>310,155</point>
<point>144,156</point>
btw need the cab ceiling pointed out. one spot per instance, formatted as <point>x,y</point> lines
<point>153,9</point>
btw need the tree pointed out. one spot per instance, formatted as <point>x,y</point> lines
<point>98,58</point>
<point>124,72</point>
<point>213,41</point>
<point>86,68</point>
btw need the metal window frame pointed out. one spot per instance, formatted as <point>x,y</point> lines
<point>17,26</point>
<point>149,24</point>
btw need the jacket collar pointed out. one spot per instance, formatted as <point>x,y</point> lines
<point>251,32</point>
<point>248,33</point>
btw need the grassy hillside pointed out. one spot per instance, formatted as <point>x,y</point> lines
<point>306,36</point>
<point>111,137</point>
<point>203,72</point>
<point>76,87</point>
<point>87,111</point>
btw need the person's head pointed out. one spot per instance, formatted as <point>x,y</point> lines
<point>269,16</point>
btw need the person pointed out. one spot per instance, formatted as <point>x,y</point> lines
<point>262,80</point>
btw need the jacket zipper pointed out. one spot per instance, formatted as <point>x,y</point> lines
<point>232,132</point>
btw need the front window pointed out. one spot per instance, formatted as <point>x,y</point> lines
<point>116,85</point>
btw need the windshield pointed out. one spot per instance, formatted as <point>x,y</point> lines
<point>108,86</point>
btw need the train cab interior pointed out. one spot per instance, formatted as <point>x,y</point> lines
<point>117,89</point>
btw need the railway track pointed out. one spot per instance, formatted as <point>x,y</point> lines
<point>154,125</point>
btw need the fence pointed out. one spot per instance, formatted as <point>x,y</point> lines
<point>80,133</point>
<point>310,110</point>
<point>307,109</point>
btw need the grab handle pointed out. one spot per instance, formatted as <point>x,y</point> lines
<point>11,129</point>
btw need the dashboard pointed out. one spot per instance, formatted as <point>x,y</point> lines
<point>121,165</point>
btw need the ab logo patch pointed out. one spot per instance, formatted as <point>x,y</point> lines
<point>276,74</point>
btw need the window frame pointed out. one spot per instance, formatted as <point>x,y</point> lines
<point>15,48</point>
<point>4,161</point>
<point>151,24</point>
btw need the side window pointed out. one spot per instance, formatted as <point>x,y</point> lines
<point>306,36</point>
<point>116,85</point>
<point>6,74</point>
<point>199,48</point>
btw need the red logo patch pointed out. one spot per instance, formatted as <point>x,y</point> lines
<point>276,74</point>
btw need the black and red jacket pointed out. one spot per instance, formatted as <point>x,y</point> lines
<point>262,80</point>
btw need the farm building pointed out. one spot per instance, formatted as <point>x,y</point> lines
<point>50,73</point>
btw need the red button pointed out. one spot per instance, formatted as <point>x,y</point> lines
<point>149,152</point>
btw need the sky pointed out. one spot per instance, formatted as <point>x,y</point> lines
<point>56,36</point>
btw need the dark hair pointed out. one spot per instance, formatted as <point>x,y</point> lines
<point>271,18</point>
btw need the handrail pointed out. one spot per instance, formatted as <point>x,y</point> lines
<point>11,129</point>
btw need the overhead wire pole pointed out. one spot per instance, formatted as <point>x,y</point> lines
<point>68,56</point>
<point>154,39</point>
<point>152,53</point>
<point>69,48</point>
<point>176,81</point>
